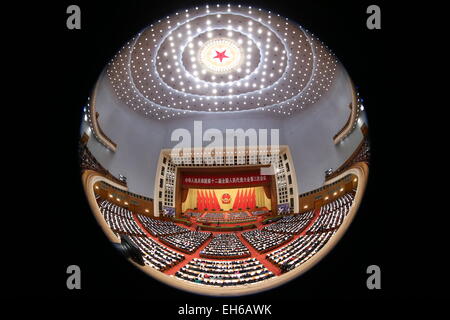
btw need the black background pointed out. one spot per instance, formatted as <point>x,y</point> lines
<point>59,228</point>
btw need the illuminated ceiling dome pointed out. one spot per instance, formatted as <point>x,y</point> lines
<point>221,58</point>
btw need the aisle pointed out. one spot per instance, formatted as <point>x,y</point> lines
<point>260,256</point>
<point>187,258</point>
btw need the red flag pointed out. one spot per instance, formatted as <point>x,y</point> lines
<point>202,201</point>
<point>253,204</point>
<point>216,202</point>
<point>236,201</point>
<point>205,192</point>
<point>210,201</point>
<point>199,200</point>
<point>240,199</point>
<point>247,199</point>
<point>243,202</point>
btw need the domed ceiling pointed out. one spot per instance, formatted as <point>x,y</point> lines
<point>221,58</point>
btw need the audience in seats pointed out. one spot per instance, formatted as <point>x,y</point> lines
<point>291,224</point>
<point>224,273</point>
<point>120,220</point>
<point>228,246</point>
<point>264,241</point>
<point>187,242</point>
<point>214,216</point>
<point>240,216</point>
<point>115,209</point>
<point>193,214</point>
<point>345,200</point>
<point>259,212</point>
<point>332,214</point>
<point>299,251</point>
<point>225,246</point>
<point>156,255</point>
<point>237,215</point>
<point>159,228</point>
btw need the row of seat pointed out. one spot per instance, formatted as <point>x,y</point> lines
<point>345,200</point>
<point>155,255</point>
<point>299,251</point>
<point>214,215</point>
<point>120,221</point>
<point>229,246</point>
<point>294,224</point>
<point>332,214</point>
<point>228,217</point>
<point>259,212</point>
<point>111,207</point>
<point>225,246</point>
<point>193,214</point>
<point>238,215</point>
<point>224,273</point>
<point>159,228</point>
<point>328,221</point>
<point>264,241</point>
<point>187,242</point>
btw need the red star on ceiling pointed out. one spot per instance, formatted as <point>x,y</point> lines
<point>221,55</point>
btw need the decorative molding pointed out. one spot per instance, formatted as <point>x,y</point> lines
<point>352,121</point>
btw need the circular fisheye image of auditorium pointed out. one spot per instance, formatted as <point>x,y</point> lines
<point>224,150</point>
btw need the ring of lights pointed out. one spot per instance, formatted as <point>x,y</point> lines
<point>275,65</point>
<point>241,75</point>
<point>253,83</point>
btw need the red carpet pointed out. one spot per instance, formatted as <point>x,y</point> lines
<point>261,257</point>
<point>314,218</point>
<point>188,258</point>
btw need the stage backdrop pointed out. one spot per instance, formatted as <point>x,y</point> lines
<point>226,199</point>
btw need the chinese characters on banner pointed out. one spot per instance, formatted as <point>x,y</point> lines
<point>225,180</point>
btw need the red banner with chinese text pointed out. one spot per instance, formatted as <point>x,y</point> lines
<point>232,180</point>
